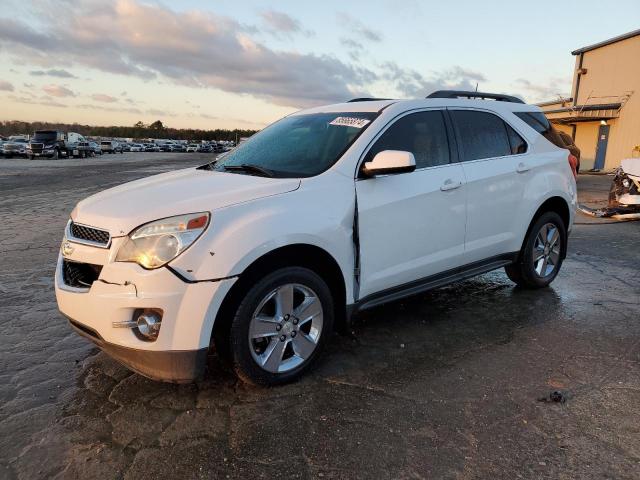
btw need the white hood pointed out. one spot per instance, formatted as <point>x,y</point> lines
<point>631,166</point>
<point>125,207</point>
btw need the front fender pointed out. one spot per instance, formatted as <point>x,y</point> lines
<point>320,213</point>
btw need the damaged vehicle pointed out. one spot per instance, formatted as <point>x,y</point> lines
<point>625,188</point>
<point>332,210</point>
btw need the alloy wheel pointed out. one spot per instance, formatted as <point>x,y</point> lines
<point>285,328</point>
<point>546,250</point>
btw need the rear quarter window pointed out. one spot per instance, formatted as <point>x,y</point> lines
<point>539,122</point>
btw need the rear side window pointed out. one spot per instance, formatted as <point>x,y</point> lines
<point>542,125</point>
<point>424,134</point>
<point>481,135</point>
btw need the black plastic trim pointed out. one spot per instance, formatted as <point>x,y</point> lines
<point>174,366</point>
<point>471,95</point>
<point>433,281</point>
<point>187,280</point>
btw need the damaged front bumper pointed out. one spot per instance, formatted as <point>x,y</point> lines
<point>625,189</point>
<point>98,311</point>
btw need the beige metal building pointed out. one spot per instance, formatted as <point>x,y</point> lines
<point>603,113</point>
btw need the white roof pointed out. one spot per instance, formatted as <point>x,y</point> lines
<point>377,105</point>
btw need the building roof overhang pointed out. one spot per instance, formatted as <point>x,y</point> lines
<point>585,113</point>
<point>604,43</point>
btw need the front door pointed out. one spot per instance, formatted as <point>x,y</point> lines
<point>411,225</point>
<point>601,148</point>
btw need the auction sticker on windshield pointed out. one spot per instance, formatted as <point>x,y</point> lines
<point>350,122</point>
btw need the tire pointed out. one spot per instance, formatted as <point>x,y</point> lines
<point>285,344</point>
<point>30,157</point>
<point>529,273</point>
<point>56,154</point>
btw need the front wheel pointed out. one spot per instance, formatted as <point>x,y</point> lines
<point>281,326</point>
<point>542,254</point>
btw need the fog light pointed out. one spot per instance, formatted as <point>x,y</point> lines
<point>148,324</point>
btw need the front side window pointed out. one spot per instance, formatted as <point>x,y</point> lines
<point>298,145</point>
<point>480,135</point>
<point>424,134</point>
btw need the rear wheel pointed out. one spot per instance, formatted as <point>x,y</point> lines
<point>281,326</point>
<point>542,253</point>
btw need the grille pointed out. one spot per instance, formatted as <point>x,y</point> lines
<point>80,275</point>
<point>37,147</point>
<point>90,234</point>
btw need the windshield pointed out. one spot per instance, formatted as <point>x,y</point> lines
<point>299,145</point>
<point>44,136</point>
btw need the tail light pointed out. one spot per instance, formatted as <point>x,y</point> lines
<point>573,163</point>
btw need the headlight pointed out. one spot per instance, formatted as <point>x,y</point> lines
<point>154,244</point>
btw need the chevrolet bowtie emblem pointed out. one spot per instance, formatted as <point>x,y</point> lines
<point>67,249</point>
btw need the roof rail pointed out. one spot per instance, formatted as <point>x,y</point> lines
<point>366,99</point>
<point>483,95</point>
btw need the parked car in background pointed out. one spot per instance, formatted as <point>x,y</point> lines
<point>356,205</point>
<point>178,147</point>
<point>95,148</point>
<point>56,143</point>
<point>136,147</point>
<point>625,187</point>
<point>110,146</point>
<point>151,147</point>
<point>15,148</point>
<point>166,147</point>
<point>192,147</point>
<point>85,150</point>
<point>126,147</point>
<point>204,148</point>
<point>571,146</point>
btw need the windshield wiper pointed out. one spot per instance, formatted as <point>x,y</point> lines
<point>207,166</point>
<point>251,169</point>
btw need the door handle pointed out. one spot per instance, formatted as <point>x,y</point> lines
<point>450,185</point>
<point>521,168</point>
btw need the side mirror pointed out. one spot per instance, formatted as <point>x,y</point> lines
<point>388,162</point>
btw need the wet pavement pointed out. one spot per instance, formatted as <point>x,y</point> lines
<point>443,385</point>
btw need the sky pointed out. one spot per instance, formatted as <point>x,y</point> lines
<point>246,63</point>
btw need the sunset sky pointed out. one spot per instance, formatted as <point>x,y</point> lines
<point>228,64</point>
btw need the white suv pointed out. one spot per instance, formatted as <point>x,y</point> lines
<point>327,212</point>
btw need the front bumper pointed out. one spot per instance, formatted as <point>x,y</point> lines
<point>169,366</point>
<point>188,314</point>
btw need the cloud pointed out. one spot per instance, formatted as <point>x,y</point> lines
<point>52,72</point>
<point>104,108</point>
<point>101,97</point>
<point>413,84</point>
<point>281,24</point>
<point>43,100</point>
<point>357,28</point>
<point>6,86</point>
<point>354,48</point>
<point>556,87</point>
<point>58,91</point>
<point>194,48</point>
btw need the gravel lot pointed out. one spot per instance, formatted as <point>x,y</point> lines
<point>443,385</point>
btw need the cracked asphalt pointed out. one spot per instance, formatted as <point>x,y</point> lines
<point>443,385</point>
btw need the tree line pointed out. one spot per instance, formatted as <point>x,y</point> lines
<point>139,130</point>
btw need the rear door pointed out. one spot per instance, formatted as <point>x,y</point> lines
<point>493,156</point>
<point>411,225</point>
